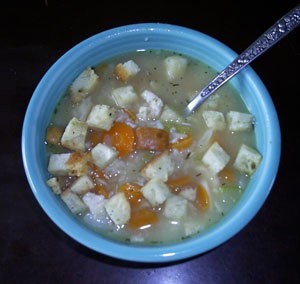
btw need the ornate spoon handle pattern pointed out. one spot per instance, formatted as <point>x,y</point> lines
<point>274,34</point>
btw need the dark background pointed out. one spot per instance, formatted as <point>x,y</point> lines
<point>33,35</point>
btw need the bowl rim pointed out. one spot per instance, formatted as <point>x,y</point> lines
<point>231,224</point>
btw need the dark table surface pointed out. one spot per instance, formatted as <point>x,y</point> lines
<point>33,35</point>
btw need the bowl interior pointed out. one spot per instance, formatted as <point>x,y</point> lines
<point>140,37</point>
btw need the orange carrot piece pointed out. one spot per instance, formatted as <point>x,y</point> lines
<point>122,137</point>
<point>182,144</point>
<point>178,183</point>
<point>148,138</point>
<point>132,192</point>
<point>202,197</point>
<point>142,219</point>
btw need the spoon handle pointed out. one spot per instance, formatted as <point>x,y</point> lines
<point>274,34</point>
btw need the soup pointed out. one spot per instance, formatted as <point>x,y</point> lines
<point>130,166</point>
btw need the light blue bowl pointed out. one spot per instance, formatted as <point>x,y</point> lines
<point>139,37</point>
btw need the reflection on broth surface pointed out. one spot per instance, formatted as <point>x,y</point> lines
<point>126,162</point>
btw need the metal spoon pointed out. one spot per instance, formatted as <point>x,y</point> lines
<point>274,34</point>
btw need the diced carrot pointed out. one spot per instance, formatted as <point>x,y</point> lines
<point>122,137</point>
<point>100,190</point>
<point>132,192</point>
<point>202,197</point>
<point>130,113</point>
<point>227,175</point>
<point>178,183</point>
<point>142,219</point>
<point>182,144</point>
<point>94,136</point>
<point>96,173</point>
<point>54,134</point>
<point>148,138</point>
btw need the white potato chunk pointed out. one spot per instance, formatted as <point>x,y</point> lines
<point>95,203</point>
<point>57,165</point>
<point>215,158</point>
<point>175,66</point>
<point>82,184</point>
<point>118,209</point>
<point>214,119</point>
<point>83,85</point>
<point>74,135</point>
<point>125,96</point>
<point>161,166</point>
<point>126,70</point>
<point>101,116</point>
<point>155,191</point>
<point>175,207</point>
<point>247,160</point>
<point>73,201</point>
<point>239,121</point>
<point>54,184</point>
<point>102,155</point>
<point>82,109</point>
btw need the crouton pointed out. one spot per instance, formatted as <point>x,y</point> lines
<point>155,191</point>
<point>54,134</point>
<point>215,158</point>
<point>124,96</point>
<point>148,138</point>
<point>155,105</point>
<point>247,160</point>
<point>57,165</point>
<point>175,207</point>
<point>102,155</point>
<point>73,201</point>
<point>124,71</point>
<point>161,166</point>
<point>82,185</point>
<point>83,85</point>
<point>238,121</point>
<point>74,135</point>
<point>77,164</point>
<point>101,116</point>
<point>95,203</point>
<point>214,119</point>
<point>118,209</point>
<point>175,66</point>
<point>54,184</point>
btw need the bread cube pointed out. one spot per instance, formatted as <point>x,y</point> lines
<point>247,160</point>
<point>82,185</point>
<point>95,203</point>
<point>57,165</point>
<point>77,164</point>
<point>73,201</point>
<point>125,96</point>
<point>161,167</point>
<point>214,119</point>
<point>118,209</point>
<point>54,184</point>
<point>239,121</point>
<point>155,104</point>
<point>215,158</point>
<point>83,85</point>
<point>102,155</point>
<point>124,71</point>
<point>175,207</point>
<point>101,116</point>
<point>74,135</point>
<point>155,191</point>
<point>175,67</point>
